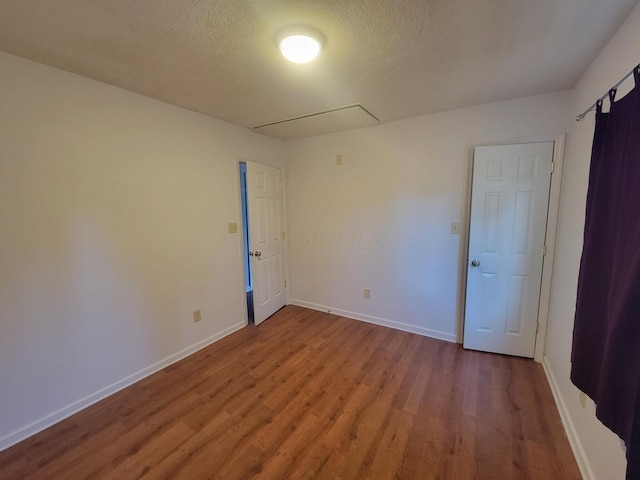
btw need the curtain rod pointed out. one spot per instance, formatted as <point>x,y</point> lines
<point>581,117</point>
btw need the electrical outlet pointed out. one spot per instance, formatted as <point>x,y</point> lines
<point>367,293</point>
<point>583,399</point>
<point>455,228</point>
<point>233,227</point>
<point>338,160</point>
<point>197,316</point>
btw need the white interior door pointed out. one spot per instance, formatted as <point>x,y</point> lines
<point>264,192</point>
<point>509,203</point>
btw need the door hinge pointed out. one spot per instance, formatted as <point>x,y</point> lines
<point>544,250</point>
<point>283,235</point>
<point>285,284</point>
<point>551,167</point>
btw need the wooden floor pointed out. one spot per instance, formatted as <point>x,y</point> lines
<point>313,395</point>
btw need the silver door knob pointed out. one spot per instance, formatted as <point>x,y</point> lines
<point>251,254</point>
<point>475,263</point>
<point>258,254</point>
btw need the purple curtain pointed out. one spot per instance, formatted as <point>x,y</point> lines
<point>606,335</point>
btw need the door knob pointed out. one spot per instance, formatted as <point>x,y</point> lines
<point>475,263</point>
<point>251,254</point>
<point>258,254</point>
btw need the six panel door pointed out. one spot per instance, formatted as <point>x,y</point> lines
<point>509,204</point>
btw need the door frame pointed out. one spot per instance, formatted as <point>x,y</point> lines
<point>285,228</point>
<point>559,140</point>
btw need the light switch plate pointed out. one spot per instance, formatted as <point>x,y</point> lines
<point>455,228</point>
<point>233,227</point>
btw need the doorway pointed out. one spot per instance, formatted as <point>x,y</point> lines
<point>263,239</point>
<point>507,245</point>
<point>248,285</point>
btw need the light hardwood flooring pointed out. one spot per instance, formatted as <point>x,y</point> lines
<point>314,395</point>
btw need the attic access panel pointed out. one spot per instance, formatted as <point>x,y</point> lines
<point>345,118</point>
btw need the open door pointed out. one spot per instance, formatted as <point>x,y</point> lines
<point>266,250</point>
<point>509,205</point>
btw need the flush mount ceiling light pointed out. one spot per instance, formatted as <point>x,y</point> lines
<point>300,44</point>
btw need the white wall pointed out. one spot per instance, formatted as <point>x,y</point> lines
<point>599,450</point>
<point>382,219</point>
<point>113,229</point>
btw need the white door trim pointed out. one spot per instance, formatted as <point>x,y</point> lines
<point>552,223</point>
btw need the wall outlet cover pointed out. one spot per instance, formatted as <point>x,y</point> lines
<point>583,399</point>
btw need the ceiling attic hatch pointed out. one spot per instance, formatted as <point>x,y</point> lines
<point>337,119</point>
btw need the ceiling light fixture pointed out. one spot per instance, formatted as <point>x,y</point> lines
<point>300,44</point>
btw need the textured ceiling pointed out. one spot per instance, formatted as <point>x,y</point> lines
<point>397,58</point>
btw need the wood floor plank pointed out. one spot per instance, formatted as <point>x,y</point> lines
<point>189,451</point>
<point>312,395</point>
<point>291,452</point>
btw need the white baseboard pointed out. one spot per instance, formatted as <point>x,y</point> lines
<point>405,327</point>
<point>65,412</point>
<point>570,429</point>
